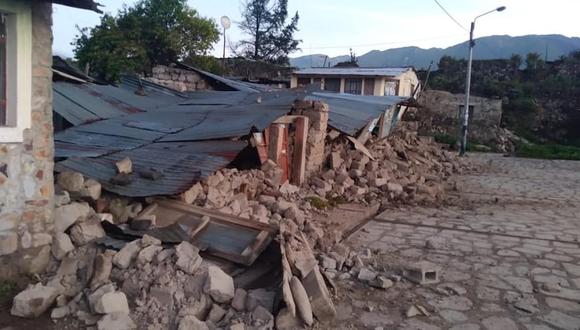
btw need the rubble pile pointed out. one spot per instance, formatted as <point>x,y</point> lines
<point>404,168</point>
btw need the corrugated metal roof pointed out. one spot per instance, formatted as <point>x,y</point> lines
<point>232,84</point>
<point>182,164</point>
<point>83,4</point>
<point>389,72</point>
<point>350,113</point>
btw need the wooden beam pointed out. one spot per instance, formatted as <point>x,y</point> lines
<point>261,146</point>
<point>299,161</point>
<point>287,120</point>
<point>276,142</point>
<point>366,132</point>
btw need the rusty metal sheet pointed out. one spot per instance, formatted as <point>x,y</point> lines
<point>182,165</point>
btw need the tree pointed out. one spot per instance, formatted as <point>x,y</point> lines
<point>271,39</point>
<point>534,62</point>
<point>150,33</point>
<point>351,63</point>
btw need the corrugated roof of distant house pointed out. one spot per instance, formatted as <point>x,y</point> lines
<point>83,4</point>
<point>367,72</point>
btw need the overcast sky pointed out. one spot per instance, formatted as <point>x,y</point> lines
<point>333,26</point>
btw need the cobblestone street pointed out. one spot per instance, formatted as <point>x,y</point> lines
<point>508,250</point>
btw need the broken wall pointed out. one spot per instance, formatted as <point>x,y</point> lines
<point>26,179</point>
<point>178,79</point>
<point>317,113</point>
<point>485,111</point>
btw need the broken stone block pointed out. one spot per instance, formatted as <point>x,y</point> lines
<point>116,321</point>
<point>266,200</point>
<point>327,262</point>
<point>125,256</point>
<point>219,285</point>
<point>322,305</point>
<point>61,198</point>
<point>61,245</point>
<point>366,275</point>
<point>102,269</point>
<point>239,300</point>
<point>146,255</point>
<point>188,259</point>
<point>422,272</point>
<point>264,316</point>
<point>189,196</point>
<point>165,254</point>
<point>148,240</point>
<point>237,326</point>
<point>191,322</point>
<point>301,300</point>
<point>394,188</point>
<point>216,314</point>
<point>381,283</point>
<point>379,182</point>
<point>70,181</point>
<point>91,189</point>
<point>33,301</point>
<point>67,215</point>
<point>295,214</point>
<point>124,166</point>
<point>322,184</point>
<point>335,160</point>
<point>96,295</point>
<point>59,312</point>
<point>163,295</point>
<point>86,231</point>
<point>35,261</point>
<point>112,302</point>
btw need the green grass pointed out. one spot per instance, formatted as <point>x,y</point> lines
<point>445,139</point>
<point>7,291</point>
<point>548,151</point>
<point>325,204</point>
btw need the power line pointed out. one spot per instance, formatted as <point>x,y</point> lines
<point>448,14</point>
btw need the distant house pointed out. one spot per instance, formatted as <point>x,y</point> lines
<point>359,81</point>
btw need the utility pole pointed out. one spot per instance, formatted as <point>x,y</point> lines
<point>465,124</point>
<point>226,23</point>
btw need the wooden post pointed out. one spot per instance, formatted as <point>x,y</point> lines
<point>299,161</point>
<point>275,142</point>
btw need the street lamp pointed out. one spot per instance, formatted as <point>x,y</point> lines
<point>463,142</point>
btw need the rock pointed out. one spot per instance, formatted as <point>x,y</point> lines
<point>413,311</point>
<point>59,312</point>
<point>219,285</point>
<point>436,243</point>
<point>86,231</point>
<point>112,302</point>
<point>188,259</point>
<point>67,215</point>
<point>35,261</point>
<point>327,262</point>
<point>237,326</point>
<point>190,195</point>
<point>147,254</point>
<point>91,189</point>
<point>216,314</point>
<point>116,321</point>
<point>147,240</point>
<point>286,321</point>
<point>382,283</point>
<point>301,300</point>
<point>124,166</point>
<point>33,301</point>
<point>190,322</point>
<point>102,269</point>
<point>70,181</point>
<point>366,275</point>
<point>61,198</point>
<point>262,314</point>
<point>394,188</point>
<point>163,255</point>
<point>496,322</point>
<point>125,256</point>
<point>61,245</point>
<point>295,214</point>
<point>239,300</point>
<point>260,297</point>
<point>322,305</point>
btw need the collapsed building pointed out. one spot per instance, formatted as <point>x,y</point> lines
<point>198,209</point>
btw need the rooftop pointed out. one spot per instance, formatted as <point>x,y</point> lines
<point>390,72</point>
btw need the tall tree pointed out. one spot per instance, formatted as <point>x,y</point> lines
<point>150,33</point>
<point>271,39</point>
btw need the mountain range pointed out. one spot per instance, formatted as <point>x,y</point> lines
<point>551,46</point>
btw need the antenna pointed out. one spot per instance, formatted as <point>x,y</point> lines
<point>226,24</point>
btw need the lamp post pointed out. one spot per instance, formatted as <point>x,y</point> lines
<point>463,142</point>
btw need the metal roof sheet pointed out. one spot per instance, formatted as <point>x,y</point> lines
<point>389,72</point>
<point>182,164</point>
<point>350,113</point>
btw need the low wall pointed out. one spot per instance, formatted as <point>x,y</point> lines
<point>178,79</point>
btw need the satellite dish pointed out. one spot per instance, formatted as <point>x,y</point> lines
<point>226,23</point>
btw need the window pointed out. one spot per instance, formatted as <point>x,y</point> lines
<point>461,110</point>
<point>15,69</point>
<point>353,86</point>
<point>302,82</point>
<point>332,84</point>
<point>391,88</point>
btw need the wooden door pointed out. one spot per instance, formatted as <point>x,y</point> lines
<point>369,86</point>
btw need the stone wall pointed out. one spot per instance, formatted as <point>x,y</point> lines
<point>317,113</point>
<point>26,169</point>
<point>178,79</point>
<point>485,111</point>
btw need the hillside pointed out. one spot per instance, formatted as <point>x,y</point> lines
<point>492,47</point>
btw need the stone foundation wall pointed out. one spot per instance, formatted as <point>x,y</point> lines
<point>26,169</point>
<point>178,79</point>
<point>317,113</point>
<point>485,111</point>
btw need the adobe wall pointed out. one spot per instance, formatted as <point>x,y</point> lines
<point>178,79</point>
